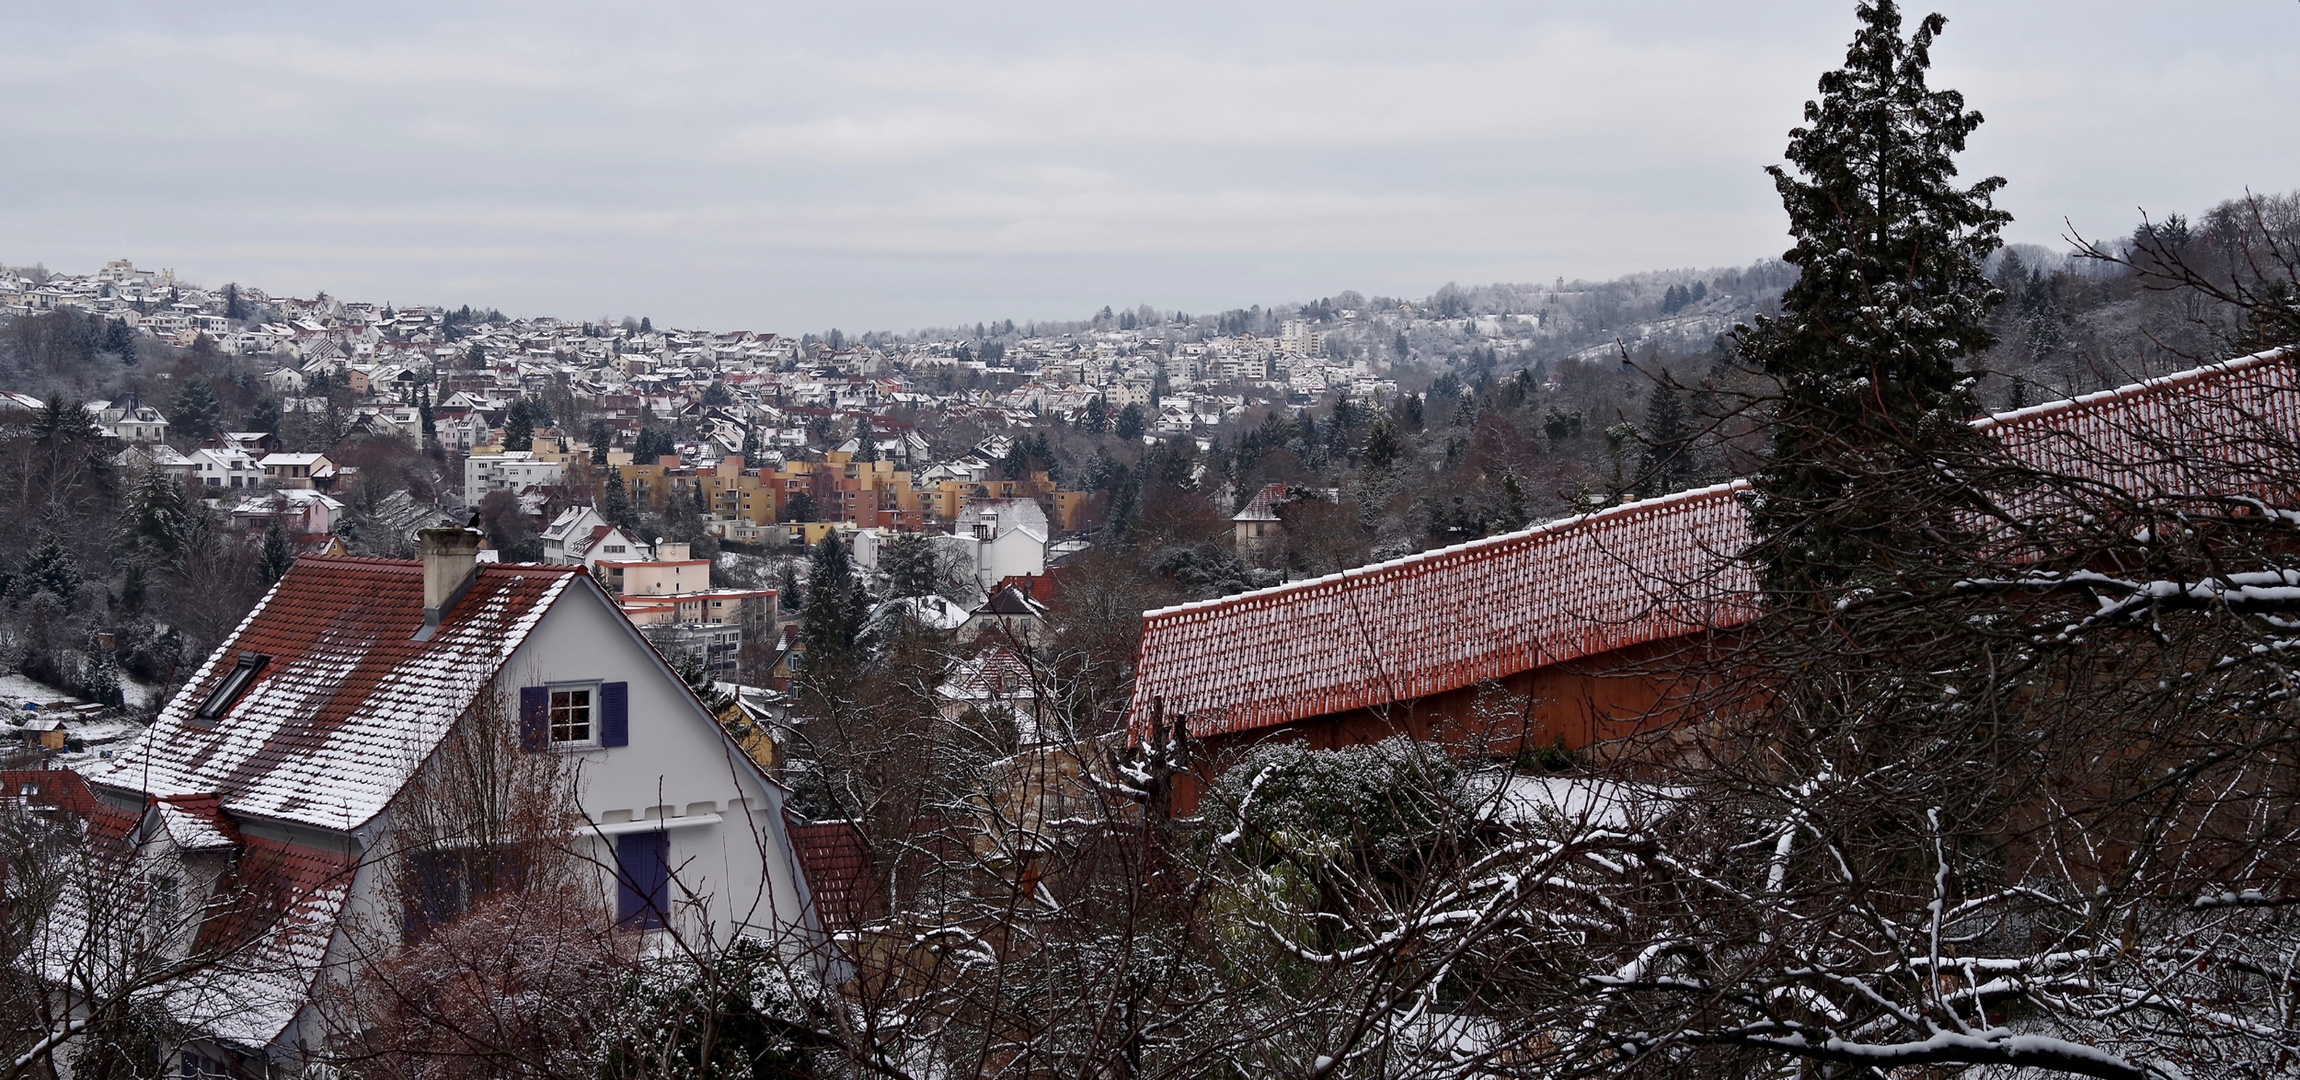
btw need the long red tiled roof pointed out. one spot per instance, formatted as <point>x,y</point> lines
<point>1626,575</point>
<point>349,703</point>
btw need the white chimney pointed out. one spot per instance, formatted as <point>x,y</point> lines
<point>449,558</point>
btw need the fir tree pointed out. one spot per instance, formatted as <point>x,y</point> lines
<point>276,557</point>
<point>197,413</point>
<point>751,451</point>
<point>1129,424</point>
<point>614,502</point>
<point>157,515</point>
<point>910,565</point>
<point>265,416</point>
<point>866,440</point>
<point>790,595</point>
<point>50,569</point>
<point>100,676</point>
<point>519,426</point>
<point>834,607</point>
<point>1889,298</point>
<point>1667,464</point>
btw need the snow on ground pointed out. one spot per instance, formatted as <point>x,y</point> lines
<point>97,731</point>
<point>1593,800</point>
<point>15,690</point>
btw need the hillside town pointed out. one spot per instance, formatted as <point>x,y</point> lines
<point>755,443</point>
<point>1875,661</point>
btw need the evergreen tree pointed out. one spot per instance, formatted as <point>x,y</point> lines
<point>799,506</point>
<point>1382,445</point>
<point>866,440</point>
<point>600,440</point>
<point>197,415</point>
<point>752,454</point>
<point>158,514</point>
<point>1890,296</point>
<point>424,414</point>
<point>233,308</point>
<point>1667,464</point>
<point>64,423</point>
<point>50,569</point>
<point>834,608</point>
<point>1096,418</point>
<point>1129,425</point>
<point>911,566</point>
<point>519,426</point>
<point>99,679</point>
<point>265,416</point>
<point>614,501</point>
<point>790,595</point>
<point>120,339</point>
<point>276,557</point>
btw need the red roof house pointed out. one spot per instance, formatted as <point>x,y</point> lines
<point>300,751</point>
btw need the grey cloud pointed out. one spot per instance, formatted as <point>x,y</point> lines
<point>895,164</point>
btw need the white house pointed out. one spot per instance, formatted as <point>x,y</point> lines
<point>227,467</point>
<point>130,420</point>
<point>351,690</point>
<point>579,536</point>
<point>999,539</point>
<point>511,470</point>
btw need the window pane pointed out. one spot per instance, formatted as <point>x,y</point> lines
<point>570,716</point>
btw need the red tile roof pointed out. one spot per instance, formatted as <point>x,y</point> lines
<point>837,864</point>
<point>284,903</point>
<point>349,703</point>
<point>1646,571</point>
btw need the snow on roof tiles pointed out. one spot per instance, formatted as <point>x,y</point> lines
<point>1627,575</point>
<point>348,703</point>
<point>196,822</point>
<point>276,934</point>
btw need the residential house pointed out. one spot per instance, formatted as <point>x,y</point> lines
<point>301,471</point>
<point>1001,538</point>
<point>1256,530</point>
<point>130,420</point>
<point>358,685</point>
<point>511,470</point>
<point>580,536</point>
<point>226,467</point>
<point>300,512</point>
<point>1009,613</point>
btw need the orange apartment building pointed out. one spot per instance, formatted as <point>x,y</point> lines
<point>865,494</point>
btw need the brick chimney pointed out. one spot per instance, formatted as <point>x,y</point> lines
<point>449,557</point>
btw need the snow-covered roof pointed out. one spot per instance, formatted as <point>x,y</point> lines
<point>196,822</point>
<point>1264,505</point>
<point>347,703</point>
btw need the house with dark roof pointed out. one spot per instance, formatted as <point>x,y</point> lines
<point>304,747</point>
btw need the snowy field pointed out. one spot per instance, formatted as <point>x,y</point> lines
<point>99,732</point>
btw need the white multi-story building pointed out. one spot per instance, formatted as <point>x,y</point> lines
<point>512,470</point>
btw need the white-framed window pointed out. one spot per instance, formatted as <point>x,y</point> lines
<point>574,715</point>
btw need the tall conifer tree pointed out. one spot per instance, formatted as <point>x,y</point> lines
<point>1891,296</point>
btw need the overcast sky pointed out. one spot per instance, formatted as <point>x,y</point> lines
<point>873,165</point>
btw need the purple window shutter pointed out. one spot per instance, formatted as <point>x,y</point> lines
<point>615,714</point>
<point>534,718</point>
<point>642,879</point>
